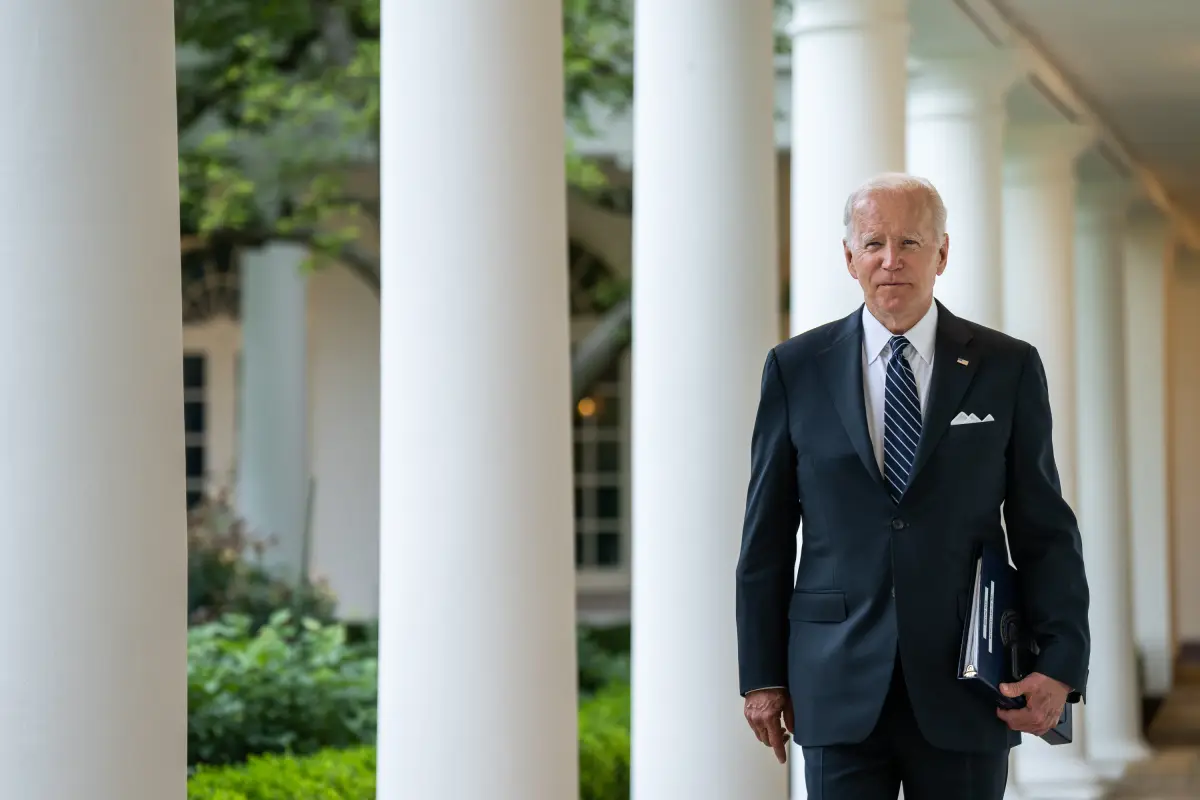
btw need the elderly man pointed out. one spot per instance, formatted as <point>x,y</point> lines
<point>857,654</point>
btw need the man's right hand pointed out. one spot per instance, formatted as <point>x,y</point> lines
<point>764,707</point>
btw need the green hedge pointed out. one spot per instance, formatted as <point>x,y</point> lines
<point>350,774</point>
<point>604,724</point>
<point>281,686</point>
<point>329,775</point>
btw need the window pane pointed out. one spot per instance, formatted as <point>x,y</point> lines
<point>609,411</point>
<point>193,417</point>
<point>608,502</point>
<point>608,549</point>
<point>193,372</point>
<point>195,462</point>
<point>193,499</point>
<point>579,550</point>
<point>608,457</point>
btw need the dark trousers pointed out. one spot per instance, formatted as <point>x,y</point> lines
<point>896,753</point>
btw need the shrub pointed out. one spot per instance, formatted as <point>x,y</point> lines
<point>328,775</point>
<point>604,723</point>
<point>603,657</point>
<point>226,574</point>
<point>288,687</point>
<point>284,687</point>
<point>349,774</point>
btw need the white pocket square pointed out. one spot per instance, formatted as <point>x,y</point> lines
<point>964,418</point>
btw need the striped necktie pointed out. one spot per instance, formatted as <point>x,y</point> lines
<point>901,420</point>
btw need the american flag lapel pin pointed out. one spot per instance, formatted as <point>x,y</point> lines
<point>963,361</point>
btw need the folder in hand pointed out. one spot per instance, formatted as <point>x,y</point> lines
<point>996,647</point>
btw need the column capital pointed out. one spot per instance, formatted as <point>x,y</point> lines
<point>812,16</point>
<point>954,86</point>
<point>1099,201</point>
<point>1040,151</point>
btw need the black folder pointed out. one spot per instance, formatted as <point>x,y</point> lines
<point>996,647</point>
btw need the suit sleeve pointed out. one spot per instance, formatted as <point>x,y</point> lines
<point>1044,538</point>
<point>766,564</point>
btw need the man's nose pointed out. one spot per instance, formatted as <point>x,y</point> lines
<point>891,257</point>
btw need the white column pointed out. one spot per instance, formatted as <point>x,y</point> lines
<point>273,434</point>
<point>1114,712</point>
<point>1039,307</point>
<point>1145,308</point>
<point>849,67</point>
<point>94,570</point>
<point>477,677</point>
<point>705,314</point>
<point>956,124</point>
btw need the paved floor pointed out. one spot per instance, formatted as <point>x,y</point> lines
<point>1177,723</point>
<point>1174,771</point>
<point>1172,774</point>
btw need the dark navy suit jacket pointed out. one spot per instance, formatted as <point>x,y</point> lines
<point>876,576</point>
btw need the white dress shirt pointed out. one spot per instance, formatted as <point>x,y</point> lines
<point>876,354</point>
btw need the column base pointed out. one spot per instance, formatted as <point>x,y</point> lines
<point>1046,772</point>
<point>1059,791</point>
<point>1063,780</point>
<point>1111,761</point>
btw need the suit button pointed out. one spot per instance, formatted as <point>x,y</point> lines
<point>898,524</point>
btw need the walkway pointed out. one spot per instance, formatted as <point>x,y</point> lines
<point>1174,771</point>
<point>1172,774</point>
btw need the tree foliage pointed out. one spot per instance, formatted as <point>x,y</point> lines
<point>279,109</point>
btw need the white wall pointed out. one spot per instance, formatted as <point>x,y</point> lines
<point>1183,288</point>
<point>344,363</point>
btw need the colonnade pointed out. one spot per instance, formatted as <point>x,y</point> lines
<point>1035,251</point>
<point>477,664</point>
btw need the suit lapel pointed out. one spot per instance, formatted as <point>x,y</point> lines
<point>954,366</point>
<point>842,367</point>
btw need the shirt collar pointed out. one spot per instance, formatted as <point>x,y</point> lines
<point>921,336</point>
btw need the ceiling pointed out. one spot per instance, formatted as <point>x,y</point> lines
<point>1134,63</point>
<point>1132,66</point>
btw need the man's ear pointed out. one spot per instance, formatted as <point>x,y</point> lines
<point>943,253</point>
<point>849,259</point>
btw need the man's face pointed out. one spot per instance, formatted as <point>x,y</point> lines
<point>895,255</point>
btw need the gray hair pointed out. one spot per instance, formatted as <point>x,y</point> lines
<point>897,182</point>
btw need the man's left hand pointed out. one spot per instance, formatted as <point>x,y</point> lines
<point>1044,701</point>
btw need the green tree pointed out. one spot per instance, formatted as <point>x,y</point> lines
<point>278,112</point>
